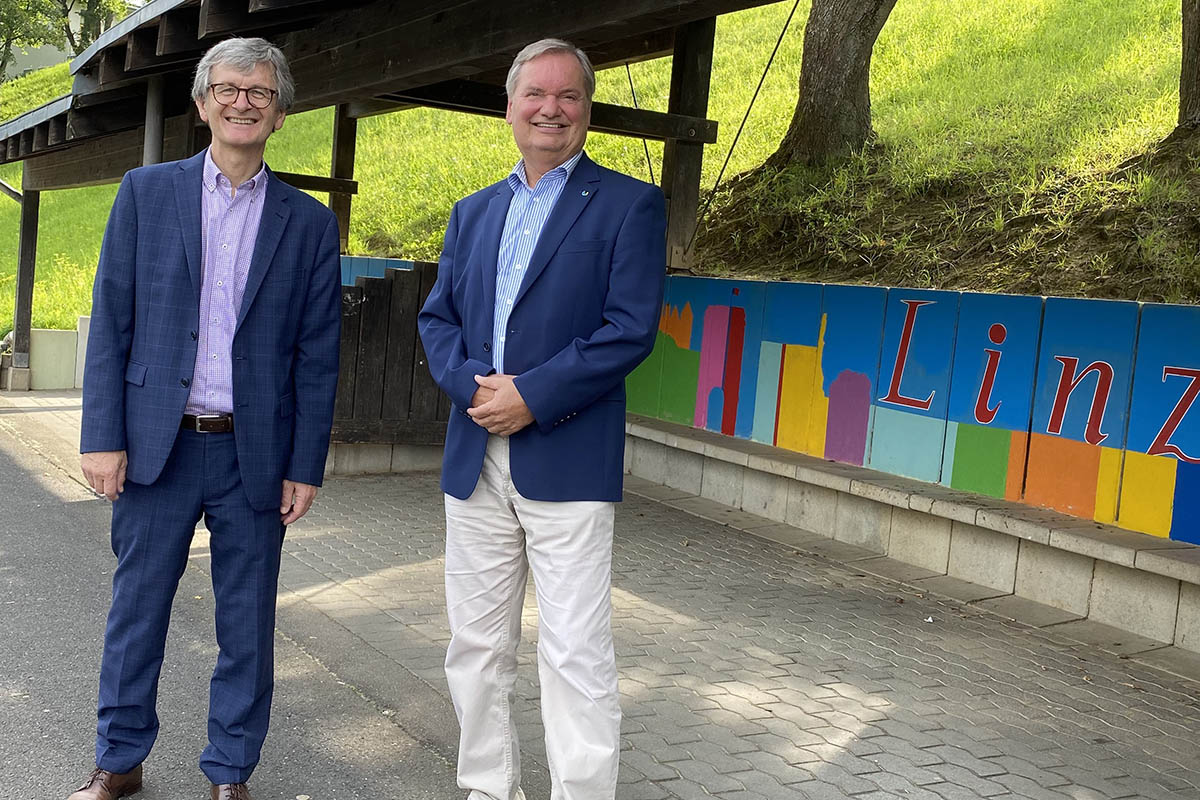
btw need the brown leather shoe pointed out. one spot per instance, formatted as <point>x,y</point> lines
<point>230,791</point>
<point>105,785</point>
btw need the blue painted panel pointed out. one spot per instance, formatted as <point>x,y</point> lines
<point>1168,356</point>
<point>933,316</point>
<point>793,313</point>
<point>853,331</point>
<point>1083,333</point>
<point>1185,524</point>
<point>1009,325</point>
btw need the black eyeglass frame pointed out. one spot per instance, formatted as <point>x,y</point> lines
<point>212,89</point>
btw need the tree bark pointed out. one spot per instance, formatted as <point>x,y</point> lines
<point>1189,73</point>
<point>833,113</point>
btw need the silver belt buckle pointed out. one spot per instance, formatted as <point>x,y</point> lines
<point>201,419</point>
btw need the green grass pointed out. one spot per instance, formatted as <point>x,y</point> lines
<point>999,127</point>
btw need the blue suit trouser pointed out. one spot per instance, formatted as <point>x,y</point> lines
<point>152,530</point>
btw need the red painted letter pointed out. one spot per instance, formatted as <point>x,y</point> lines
<point>893,395</point>
<point>1067,384</point>
<point>1162,444</point>
<point>984,415</point>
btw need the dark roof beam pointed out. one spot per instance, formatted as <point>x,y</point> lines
<point>488,100</point>
<point>83,124</point>
<point>179,32</point>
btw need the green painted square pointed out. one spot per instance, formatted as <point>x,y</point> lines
<point>641,387</point>
<point>981,460</point>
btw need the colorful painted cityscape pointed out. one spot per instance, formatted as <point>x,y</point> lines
<point>1081,406</point>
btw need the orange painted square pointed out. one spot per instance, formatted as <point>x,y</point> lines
<point>1016,466</point>
<point>1062,475</point>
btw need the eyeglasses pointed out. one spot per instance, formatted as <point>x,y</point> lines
<point>227,94</point>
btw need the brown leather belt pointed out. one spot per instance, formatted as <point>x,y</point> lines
<point>208,423</point>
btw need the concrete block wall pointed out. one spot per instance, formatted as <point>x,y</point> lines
<point>973,548</point>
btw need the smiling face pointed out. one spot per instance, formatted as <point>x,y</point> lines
<point>549,111</point>
<point>240,127</point>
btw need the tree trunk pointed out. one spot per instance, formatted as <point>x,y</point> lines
<point>1189,73</point>
<point>833,113</point>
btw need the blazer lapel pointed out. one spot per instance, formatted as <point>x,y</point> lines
<point>489,243</point>
<point>275,215</point>
<point>580,189</point>
<point>188,185</point>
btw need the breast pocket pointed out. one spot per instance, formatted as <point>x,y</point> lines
<point>583,246</point>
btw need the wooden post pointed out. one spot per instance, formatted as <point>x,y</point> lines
<point>23,312</point>
<point>345,135</point>
<point>691,68</point>
<point>152,140</point>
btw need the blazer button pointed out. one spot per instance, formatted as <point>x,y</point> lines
<point>193,336</point>
<point>487,348</point>
<point>184,382</point>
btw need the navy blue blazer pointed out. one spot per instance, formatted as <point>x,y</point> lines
<point>142,342</point>
<point>585,315</point>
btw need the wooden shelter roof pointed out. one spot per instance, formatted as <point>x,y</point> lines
<point>374,56</point>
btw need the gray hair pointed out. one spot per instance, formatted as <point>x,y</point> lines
<point>243,55</point>
<point>541,48</point>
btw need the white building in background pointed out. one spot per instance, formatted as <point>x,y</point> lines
<point>39,57</point>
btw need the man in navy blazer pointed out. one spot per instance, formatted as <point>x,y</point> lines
<point>208,392</point>
<point>548,294</point>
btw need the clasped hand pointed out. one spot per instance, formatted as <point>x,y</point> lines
<point>497,405</point>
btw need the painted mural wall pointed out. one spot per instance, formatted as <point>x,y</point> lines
<point>1083,406</point>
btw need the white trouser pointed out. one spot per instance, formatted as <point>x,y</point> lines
<point>493,538</point>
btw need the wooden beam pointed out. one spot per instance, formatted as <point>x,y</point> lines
<point>26,263</point>
<point>345,138</point>
<point>104,159</point>
<point>56,133</point>
<point>9,191</point>
<point>86,123</point>
<point>318,183</point>
<point>691,67</point>
<point>478,98</point>
<point>273,5</point>
<point>152,141</point>
<point>141,51</point>
<point>221,17</point>
<point>112,66</point>
<point>179,32</point>
<point>389,431</point>
<point>395,45</point>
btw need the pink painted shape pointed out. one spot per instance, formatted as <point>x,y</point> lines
<point>713,342</point>
<point>849,418</point>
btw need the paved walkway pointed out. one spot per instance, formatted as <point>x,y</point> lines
<point>749,669</point>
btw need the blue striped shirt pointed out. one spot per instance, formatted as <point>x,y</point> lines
<point>527,215</point>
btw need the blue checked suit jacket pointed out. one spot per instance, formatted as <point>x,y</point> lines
<point>585,315</point>
<point>145,315</point>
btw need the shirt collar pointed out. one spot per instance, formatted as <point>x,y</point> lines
<point>563,171</point>
<point>212,173</point>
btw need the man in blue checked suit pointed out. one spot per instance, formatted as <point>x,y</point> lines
<point>208,393</point>
<point>548,294</point>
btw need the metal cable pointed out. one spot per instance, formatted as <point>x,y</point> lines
<point>787,24</point>
<point>645,145</point>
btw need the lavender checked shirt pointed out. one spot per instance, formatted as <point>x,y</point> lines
<point>230,229</point>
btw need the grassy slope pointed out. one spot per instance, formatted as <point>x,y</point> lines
<point>998,123</point>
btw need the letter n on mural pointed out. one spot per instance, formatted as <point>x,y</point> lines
<point>991,394</point>
<point>914,383</point>
<point>1081,406</point>
<point>1160,480</point>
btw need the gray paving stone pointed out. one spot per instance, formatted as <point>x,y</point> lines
<point>752,670</point>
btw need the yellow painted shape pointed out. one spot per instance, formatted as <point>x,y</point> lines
<point>818,419</point>
<point>796,397</point>
<point>1108,482</point>
<point>1147,493</point>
